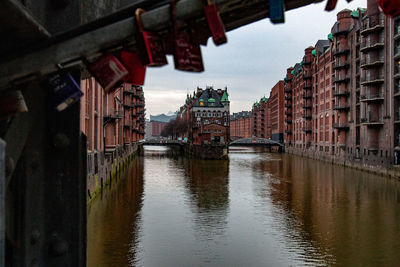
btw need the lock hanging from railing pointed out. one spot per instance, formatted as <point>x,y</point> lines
<point>108,71</point>
<point>150,45</point>
<point>215,23</point>
<point>63,89</point>
<point>187,53</point>
<point>11,103</point>
<point>133,64</point>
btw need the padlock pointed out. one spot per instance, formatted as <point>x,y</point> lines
<point>150,45</point>
<point>215,23</point>
<point>276,11</point>
<point>391,8</point>
<point>108,71</point>
<point>11,103</point>
<point>137,71</point>
<point>63,89</point>
<point>330,5</point>
<point>187,54</point>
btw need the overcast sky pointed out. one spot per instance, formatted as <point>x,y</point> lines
<point>250,64</point>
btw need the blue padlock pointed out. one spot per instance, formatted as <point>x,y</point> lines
<point>277,11</point>
<point>63,89</point>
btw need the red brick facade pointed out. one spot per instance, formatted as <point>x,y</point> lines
<point>342,100</point>
<point>241,125</point>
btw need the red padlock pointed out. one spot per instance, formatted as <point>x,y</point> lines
<point>187,53</point>
<point>137,71</point>
<point>108,71</point>
<point>11,103</point>
<point>391,8</point>
<point>330,5</point>
<point>215,23</point>
<point>150,45</point>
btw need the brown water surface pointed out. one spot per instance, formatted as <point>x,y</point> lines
<point>257,209</point>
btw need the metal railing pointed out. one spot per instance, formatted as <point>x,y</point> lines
<point>372,96</point>
<point>111,112</point>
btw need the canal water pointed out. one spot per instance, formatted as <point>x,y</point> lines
<point>255,209</point>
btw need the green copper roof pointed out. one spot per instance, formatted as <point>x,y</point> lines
<point>201,100</point>
<point>314,52</point>
<point>183,111</point>
<point>301,63</point>
<point>355,14</point>
<point>362,9</point>
<point>330,37</point>
<point>263,99</point>
<point>212,100</point>
<point>224,97</point>
<point>292,72</point>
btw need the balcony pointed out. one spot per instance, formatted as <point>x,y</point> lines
<point>139,105</point>
<point>341,106</point>
<point>307,106</point>
<point>288,97</point>
<point>130,90</point>
<point>288,90</point>
<point>368,27</point>
<point>307,95</point>
<point>113,114</point>
<point>288,121</point>
<point>397,32</point>
<point>288,105</point>
<point>341,126</point>
<point>288,113</point>
<point>372,80</point>
<point>341,92</point>
<point>397,53</point>
<point>307,74</point>
<point>307,129</point>
<point>372,122</point>
<point>307,86</point>
<point>397,90</point>
<point>337,30</point>
<point>288,131</point>
<point>341,65</point>
<point>367,46</point>
<point>338,52</point>
<point>128,123</point>
<point>372,97</point>
<point>128,104</point>
<point>372,63</point>
<point>307,62</point>
<point>341,78</point>
<point>307,116</point>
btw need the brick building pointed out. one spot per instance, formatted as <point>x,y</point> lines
<point>276,112</point>
<point>157,127</point>
<point>241,125</point>
<point>260,118</point>
<point>112,122</point>
<point>209,116</point>
<point>342,100</point>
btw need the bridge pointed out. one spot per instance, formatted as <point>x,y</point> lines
<point>256,141</point>
<point>160,142</point>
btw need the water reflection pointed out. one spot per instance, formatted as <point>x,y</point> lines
<point>113,219</point>
<point>257,209</point>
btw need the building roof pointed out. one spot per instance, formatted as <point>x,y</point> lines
<point>224,97</point>
<point>322,45</point>
<point>209,97</point>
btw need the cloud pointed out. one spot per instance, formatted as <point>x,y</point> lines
<point>250,64</point>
